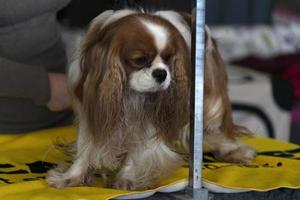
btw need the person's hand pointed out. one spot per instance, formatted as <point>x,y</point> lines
<point>59,99</point>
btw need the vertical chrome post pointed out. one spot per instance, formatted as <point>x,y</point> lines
<point>195,191</point>
<point>196,143</point>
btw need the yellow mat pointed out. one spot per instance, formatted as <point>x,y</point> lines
<point>277,165</point>
<point>25,158</point>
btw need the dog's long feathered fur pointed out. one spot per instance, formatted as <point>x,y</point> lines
<point>137,136</point>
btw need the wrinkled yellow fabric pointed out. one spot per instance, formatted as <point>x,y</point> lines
<point>277,165</point>
<point>25,159</point>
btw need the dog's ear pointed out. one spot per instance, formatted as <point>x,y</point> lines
<point>173,104</point>
<point>172,112</point>
<point>78,71</point>
<point>101,87</point>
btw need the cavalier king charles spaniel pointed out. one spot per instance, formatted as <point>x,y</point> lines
<point>131,93</point>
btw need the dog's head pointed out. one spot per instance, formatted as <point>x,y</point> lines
<point>129,51</point>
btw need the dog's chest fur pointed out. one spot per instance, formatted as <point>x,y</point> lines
<point>138,125</point>
<point>135,133</point>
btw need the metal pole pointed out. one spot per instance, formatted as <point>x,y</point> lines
<point>195,190</point>
<point>196,143</point>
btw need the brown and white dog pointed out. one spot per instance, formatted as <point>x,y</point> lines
<point>131,92</point>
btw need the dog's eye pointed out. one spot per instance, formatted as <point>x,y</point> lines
<point>167,58</point>
<point>141,61</point>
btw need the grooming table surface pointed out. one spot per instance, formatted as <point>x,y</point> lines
<point>25,159</point>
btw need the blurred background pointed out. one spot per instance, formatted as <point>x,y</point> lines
<point>259,41</point>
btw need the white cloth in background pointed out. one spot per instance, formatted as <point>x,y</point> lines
<point>256,91</point>
<point>260,41</point>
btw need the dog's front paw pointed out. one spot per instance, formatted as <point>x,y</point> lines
<point>59,179</point>
<point>242,154</point>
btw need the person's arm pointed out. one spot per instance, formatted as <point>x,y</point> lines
<point>59,96</point>
<point>18,80</point>
<point>24,81</point>
<point>26,9</point>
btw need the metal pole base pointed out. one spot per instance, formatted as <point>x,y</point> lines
<point>190,194</point>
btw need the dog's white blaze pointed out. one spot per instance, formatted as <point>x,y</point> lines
<point>176,20</point>
<point>159,34</point>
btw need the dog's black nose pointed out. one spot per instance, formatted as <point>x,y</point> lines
<point>159,75</point>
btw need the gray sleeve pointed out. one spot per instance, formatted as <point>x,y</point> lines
<point>18,80</point>
<point>27,9</point>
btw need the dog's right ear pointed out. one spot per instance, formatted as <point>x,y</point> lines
<point>79,70</point>
<point>77,73</point>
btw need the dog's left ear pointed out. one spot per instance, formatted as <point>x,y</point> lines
<point>173,104</point>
